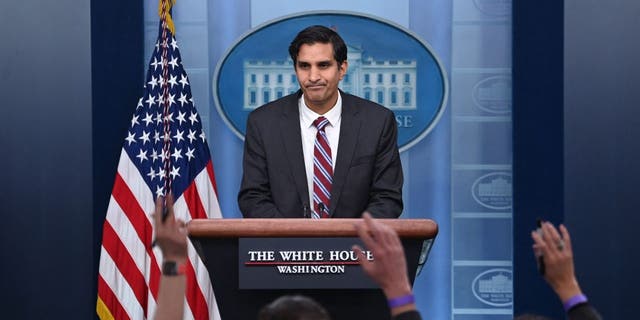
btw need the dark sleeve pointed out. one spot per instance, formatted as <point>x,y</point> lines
<point>409,315</point>
<point>583,311</point>
<point>254,197</point>
<point>385,199</point>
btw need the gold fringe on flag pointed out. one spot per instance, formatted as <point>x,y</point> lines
<point>103,311</point>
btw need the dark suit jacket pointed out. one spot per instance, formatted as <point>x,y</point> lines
<point>367,174</point>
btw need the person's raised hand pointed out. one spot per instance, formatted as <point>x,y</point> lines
<point>171,233</point>
<point>555,248</point>
<point>389,267</point>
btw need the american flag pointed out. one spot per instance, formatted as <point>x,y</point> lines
<point>165,148</point>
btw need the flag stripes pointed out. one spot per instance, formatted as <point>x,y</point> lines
<point>105,294</point>
<point>123,304</point>
<point>130,272</point>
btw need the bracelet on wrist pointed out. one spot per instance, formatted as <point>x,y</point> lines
<point>574,301</point>
<point>172,268</point>
<point>401,301</point>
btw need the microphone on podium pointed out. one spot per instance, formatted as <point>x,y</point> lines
<point>322,208</point>
<point>306,211</point>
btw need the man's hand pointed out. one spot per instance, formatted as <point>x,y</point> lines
<point>558,259</point>
<point>171,233</point>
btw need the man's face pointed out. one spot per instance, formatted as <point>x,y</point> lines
<point>318,73</point>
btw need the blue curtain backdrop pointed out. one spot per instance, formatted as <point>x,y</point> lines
<point>459,175</point>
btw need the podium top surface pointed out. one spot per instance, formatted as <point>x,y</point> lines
<point>233,228</point>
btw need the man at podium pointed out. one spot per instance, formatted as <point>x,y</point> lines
<point>320,152</point>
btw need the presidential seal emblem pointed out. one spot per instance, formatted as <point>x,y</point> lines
<point>494,287</point>
<point>493,190</point>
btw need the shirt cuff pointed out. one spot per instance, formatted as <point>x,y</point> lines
<point>574,301</point>
<point>401,301</point>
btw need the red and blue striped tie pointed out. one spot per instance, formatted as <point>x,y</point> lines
<point>322,171</point>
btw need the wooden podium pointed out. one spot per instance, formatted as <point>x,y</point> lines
<point>219,242</point>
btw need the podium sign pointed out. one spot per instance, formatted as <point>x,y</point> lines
<point>301,263</point>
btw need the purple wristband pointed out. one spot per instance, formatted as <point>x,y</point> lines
<point>401,301</point>
<point>573,301</point>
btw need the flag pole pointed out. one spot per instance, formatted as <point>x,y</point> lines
<point>164,8</point>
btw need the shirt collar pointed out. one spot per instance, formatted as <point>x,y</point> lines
<point>307,116</point>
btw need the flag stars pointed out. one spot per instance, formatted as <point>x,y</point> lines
<point>193,118</point>
<point>191,136</point>
<point>150,101</point>
<point>182,99</point>
<point>134,120</point>
<point>177,154</point>
<point>159,191</point>
<point>183,80</point>
<point>142,155</point>
<point>154,155</point>
<point>173,81</point>
<point>131,138</point>
<point>165,118</point>
<point>189,154</point>
<point>147,119</point>
<point>172,99</point>
<point>151,174</point>
<point>175,172</point>
<point>156,136</point>
<point>155,62</point>
<point>173,62</point>
<point>145,137</point>
<point>153,82</point>
<point>178,136</point>
<point>181,116</point>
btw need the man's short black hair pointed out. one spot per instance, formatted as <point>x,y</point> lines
<point>319,34</point>
<point>293,307</point>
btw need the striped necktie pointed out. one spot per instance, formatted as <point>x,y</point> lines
<point>322,171</point>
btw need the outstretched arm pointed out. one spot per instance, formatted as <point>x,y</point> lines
<point>171,237</point>
<point>557,252</point>
<point>389,267</point>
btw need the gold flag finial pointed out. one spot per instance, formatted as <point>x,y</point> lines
<point>164,11</point>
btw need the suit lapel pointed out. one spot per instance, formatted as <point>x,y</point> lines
<point>349,130</point>
<point>291,136</point>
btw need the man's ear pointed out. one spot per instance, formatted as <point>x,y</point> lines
<point>343,68</point>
